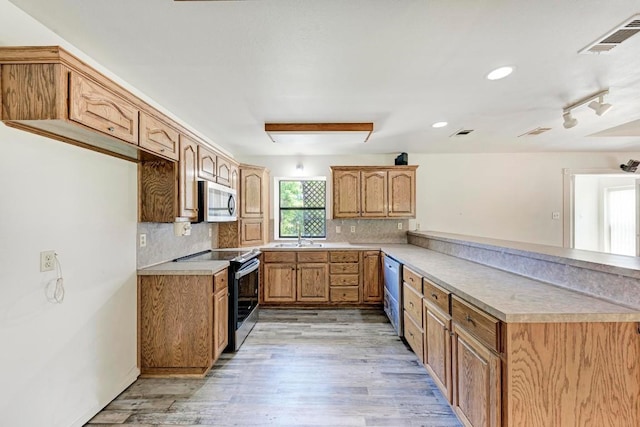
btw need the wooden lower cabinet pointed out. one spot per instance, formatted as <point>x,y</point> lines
<point>476,378</point>
<point>279,282</point>
<point>437,347</point>
<point>182,324</point>
<point>372,287</point>
<point>220,313</point>
<point>321,278</point>
<point>313,282</point>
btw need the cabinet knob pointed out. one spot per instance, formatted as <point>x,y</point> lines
<point>162,150</point>
<point>411,303</point>
<point>111,129</point>
<point>434,296</point>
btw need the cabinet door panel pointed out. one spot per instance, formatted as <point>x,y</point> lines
<point>437,348</point>
<point>346,192</point>
<point>372,283</point>
<point>188,178</point>
<point>251,202</point>
<point>313,282</point>
<point>279,282</point>
<point>251,232</point>
<point>476,381</point>
<point>224,171</point>
<point>159,137</point>
<point>207,164</point>
<point>374,194</point>
<point>402,194</point>
<point>92,105</point>
<point>221,322</point>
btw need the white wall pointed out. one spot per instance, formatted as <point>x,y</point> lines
<point>60,363</point>
<point>587,221</point>
<point>502,196</point>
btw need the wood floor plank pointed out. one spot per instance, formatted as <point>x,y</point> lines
<point>297,368</point>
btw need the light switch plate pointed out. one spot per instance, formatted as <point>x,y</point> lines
<point>338,229</point>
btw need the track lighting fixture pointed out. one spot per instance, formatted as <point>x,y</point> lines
<point>599,106</point>
<point>569,121</point>
<point>631,166</point>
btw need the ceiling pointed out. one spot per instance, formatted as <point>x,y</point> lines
<point>227,67</point>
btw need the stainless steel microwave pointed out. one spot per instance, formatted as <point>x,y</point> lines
<point>216,203</point>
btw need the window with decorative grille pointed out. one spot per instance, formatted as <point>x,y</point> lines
<point>302,208</point>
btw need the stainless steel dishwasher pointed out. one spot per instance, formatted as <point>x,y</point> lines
<point>393,292</point>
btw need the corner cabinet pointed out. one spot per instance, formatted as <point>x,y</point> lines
<point>252,227</point>
<point>182,323</point>
<point>380,192</point>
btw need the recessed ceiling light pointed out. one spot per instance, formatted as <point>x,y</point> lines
<point>439,124</point>
<point>500,73</point>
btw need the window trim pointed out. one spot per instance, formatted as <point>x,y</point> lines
<point>276,202</point>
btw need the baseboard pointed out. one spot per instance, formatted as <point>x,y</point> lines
<point>126,382</point>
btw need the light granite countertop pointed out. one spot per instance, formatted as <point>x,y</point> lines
<point>507,296</point>
<point>188,268</point>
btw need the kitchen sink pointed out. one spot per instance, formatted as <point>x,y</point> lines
<point>298,245</point>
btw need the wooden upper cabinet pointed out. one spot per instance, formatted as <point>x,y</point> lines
<point>94,106</point>
<point>374,194</point>
<point>251,193</point>
<point>224,171</point>
<point>158,137</point>
<point>207,164</point>
<point>402,193</point>
<point>234,176</point>
<point>346,192</point>
<point>374,191</point>
<point>188,178</point>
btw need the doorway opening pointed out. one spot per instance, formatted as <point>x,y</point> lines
<point>603,212</point>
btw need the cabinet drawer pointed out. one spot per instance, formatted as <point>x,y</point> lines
<point>220,280</point>
<point>344,268</point>
<point>313,256</point>
<point>413,335</point>
<point>279,256</point>
<point>412,278</point>
<point>94,106</point>
<point>158,136</point>
<point>344,280</point>
<point>412,303</point>
<point>344,256</point>
<point>482,325</point>
<point>344,294</point>
<point>436,295</point>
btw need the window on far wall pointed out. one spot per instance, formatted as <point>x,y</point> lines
<point>301,203</point>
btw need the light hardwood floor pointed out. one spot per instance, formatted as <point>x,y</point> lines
<point>297,368</point>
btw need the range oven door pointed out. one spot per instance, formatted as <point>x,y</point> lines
<point>243,302</point>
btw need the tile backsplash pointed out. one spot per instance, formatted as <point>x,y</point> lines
<point>163,245</point>
<point>366,230</point>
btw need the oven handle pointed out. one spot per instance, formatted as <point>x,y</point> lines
<point>249,267</point>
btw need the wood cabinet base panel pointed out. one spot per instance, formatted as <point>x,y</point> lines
<point>173,372</point>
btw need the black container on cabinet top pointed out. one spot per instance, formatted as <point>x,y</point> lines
<point>402,159</point>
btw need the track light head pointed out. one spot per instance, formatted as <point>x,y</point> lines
<point>631,166</point>
<point>569,121</point>
<point>599,107</point>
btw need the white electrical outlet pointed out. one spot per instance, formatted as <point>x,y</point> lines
<point>143,240</point>
<point>338,229</point>
<point>210,232</point>
<point>399,226</point>
<point>555,215</point>
<point>417,226</point>
<point>353,228</point>
<point>47,260</point>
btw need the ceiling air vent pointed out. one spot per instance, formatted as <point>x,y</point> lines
<point>534,132</point>
<point>614,37</point>
<point>461,132</point>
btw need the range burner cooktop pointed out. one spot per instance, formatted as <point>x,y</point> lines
<point>221,255</point>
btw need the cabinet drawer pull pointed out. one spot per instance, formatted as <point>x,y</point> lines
<point>411,303</point>
<point>162,150</point>
<point>434,296</point>
<point>470,320</point>
<point>111,129</point>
